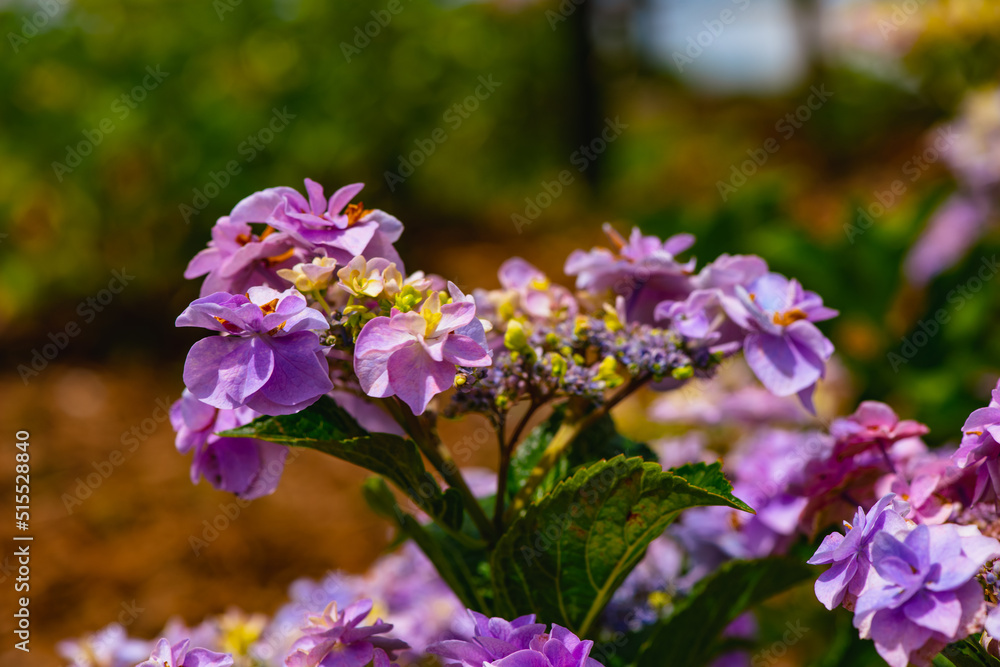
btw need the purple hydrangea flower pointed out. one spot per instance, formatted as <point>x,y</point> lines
<point>644,270</point>
<point>236,259</point>
<point>784,348</point>
<point>873,424</point>
<point>247,467</point>
<point>269,358</point>
<point>337,639</point>
<point>496,642</point>
<point>980,447</point>
<point>343,230</point>
<point>109,647</point>
<point>927,594</point>
<point>850,555</point>
<point>178,655</point>
<point>414,355</point>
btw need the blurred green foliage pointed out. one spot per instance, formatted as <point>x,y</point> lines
<point>356,110</point>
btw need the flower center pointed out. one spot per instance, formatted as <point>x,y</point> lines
<point>789,316</point>
<point>355,212</point>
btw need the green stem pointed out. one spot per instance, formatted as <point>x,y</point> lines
<point>563,438</point>
<point>429,442</point>
<point>322,302</point>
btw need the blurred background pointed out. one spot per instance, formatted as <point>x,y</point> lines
<point>800,130</point>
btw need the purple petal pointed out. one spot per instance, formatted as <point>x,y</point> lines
<point>416,378</point>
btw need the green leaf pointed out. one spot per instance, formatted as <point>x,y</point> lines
<point>324,420</point>
<point>969,653</point>
<point>460,565</point>
<point>688,637</point>
<point>328,428</point>
<point>568,553</point>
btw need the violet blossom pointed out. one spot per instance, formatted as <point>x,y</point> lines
<point>784,348</point>
<point>337,639</point>
<point>980,447</point>
<point>342,229</point>
<point>926,595</point>
<point>179,655</point>
<point>269,358</point>
<point>850,555</point>
<point>236,259</point>
<point>873,424</point>
<point>248,467</point>
<point>518,643</point>
<point>644,270</point>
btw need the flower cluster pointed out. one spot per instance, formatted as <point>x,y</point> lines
<point>307,297</point>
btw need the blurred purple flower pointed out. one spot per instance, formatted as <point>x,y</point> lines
<point>337,639</point>
<point>248,467</point>
<point>414,355</point>
<point>952,230</point>
<point>873,424</point>
<point>109,647</point>
<point>269,359</point>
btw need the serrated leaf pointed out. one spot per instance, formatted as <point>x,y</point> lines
<point>688,637</point>
<point>328,428</point>
<point>568,553</point>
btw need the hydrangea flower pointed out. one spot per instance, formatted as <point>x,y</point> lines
<point>927,595</point>
<point>980,447</point>
<point>247,467</point>
<point>644,270</point>
<point>873,424</point>
<point>337,639</point>
<point>850,555</point>
<point>343,230</point>
<point>269,358</point>
<point>497,642</point>
<point>414,355</point>
<point>179,655</point>
<point>784,348</point>
<point>236,259</point>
